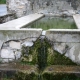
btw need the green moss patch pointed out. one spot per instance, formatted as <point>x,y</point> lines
<point>56,58</point>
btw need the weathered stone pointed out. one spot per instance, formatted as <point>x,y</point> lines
<point>28,35</point>
<point>11,41</point>
<point>24,7</point>
<point>28,44</point>
<point>77,20</point>
<point>74,53</point>
<point>15,45</point>
<point>5,45</point>
<point>32,39</point>
<point>18,54</point>
<point>60,47</point>
<point>66,42</point>
<point>6,18</point>
<point>5,15</point>
<point>21,7</point>
<point>63,36</point>
<point>7,55</point>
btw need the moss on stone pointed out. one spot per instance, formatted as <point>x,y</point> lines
<point>31,55</point>
<point>55,58</point>
<point>61,59</point>
<point>59,76</point>
<point>25,76</point>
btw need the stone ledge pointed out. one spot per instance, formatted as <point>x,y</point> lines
<point>21,22</point>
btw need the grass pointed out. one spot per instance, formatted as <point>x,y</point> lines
<point>54,23</point>
<point>2,1</point>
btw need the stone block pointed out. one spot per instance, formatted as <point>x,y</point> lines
<point>15,45</point>
<point>6,53</point>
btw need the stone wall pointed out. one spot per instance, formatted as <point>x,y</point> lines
<point>24,7</point>
<point>11,42</point>
<point>65,42</point>
<point>7,17</point>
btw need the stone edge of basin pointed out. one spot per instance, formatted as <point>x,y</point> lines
<point>17,25</point>
<point>23,29</point>
<point>64,30</point>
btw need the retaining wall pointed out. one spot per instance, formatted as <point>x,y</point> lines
<point>65,42</point>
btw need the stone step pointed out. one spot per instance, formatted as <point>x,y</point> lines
<point>69,69</point>
<point>17,67</point>
<point>63,69</point>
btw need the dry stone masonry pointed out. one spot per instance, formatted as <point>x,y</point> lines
<point>11,42</point>
<point>65,42</point>
<point>24,7</point>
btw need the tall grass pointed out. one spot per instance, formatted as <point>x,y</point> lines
<point>2,1</point>
<point>54,23</point>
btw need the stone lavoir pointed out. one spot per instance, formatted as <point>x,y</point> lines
<point>37,54</point>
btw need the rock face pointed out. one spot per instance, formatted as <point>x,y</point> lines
<point>24,7</point>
